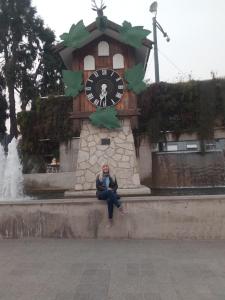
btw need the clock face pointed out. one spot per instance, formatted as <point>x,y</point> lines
<point>104,88</point>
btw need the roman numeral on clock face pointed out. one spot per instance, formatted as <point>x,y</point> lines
<point>118,95</point>
<point>96,102</point>
<point>104,72</point>
<point>90,96</point>
<point>88,88</point>
<point>96,74</point>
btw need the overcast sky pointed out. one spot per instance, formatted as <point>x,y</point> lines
<point>196,29</point>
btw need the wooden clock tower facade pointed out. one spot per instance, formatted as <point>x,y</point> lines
<point>103,60</point>
<point>104,53</point>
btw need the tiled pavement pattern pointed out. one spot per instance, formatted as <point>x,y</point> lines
<point>112,270</point>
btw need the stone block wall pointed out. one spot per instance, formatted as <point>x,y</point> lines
<point>119,154</point>
<point>68,155</point>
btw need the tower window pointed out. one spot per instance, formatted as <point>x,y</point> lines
<point>89,62</point>
<point>118,61</point>
<point>103,49</point>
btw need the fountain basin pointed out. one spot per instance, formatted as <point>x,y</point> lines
<point>167,217</point>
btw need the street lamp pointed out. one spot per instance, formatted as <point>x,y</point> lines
<point>155,23</point>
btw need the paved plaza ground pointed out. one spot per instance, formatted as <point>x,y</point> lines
<point>43,269</point>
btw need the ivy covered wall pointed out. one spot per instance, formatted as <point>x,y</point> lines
<point>45,126</point>
<point>193,106</point>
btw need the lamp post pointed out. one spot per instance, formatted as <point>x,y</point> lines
<point>156,25</point>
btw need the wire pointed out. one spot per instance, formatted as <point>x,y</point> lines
<point>147,73</point>
<point>172,63</point>
<point>150,61</point>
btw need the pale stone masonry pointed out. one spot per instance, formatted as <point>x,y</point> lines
<point>120,155</point>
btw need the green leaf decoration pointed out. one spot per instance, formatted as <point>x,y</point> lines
<point>134,77</point>
<point>101,23</point>
<point>133,35</point>
<point>76,36</point>
<point>105,117</point>
<point>73,82</point>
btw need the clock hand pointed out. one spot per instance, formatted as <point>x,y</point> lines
<point>103,94</point>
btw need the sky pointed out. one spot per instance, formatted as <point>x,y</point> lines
<point>195,27</point>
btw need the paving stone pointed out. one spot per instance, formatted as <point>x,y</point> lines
<point>168,292</point>
<point>111,270</point>
<point>130,296</point>
<point>76,268</point>
<point>65,296</point>
<point>133,269</point>
<point>82,296</point>
<point>152,296</point>
<point>147,270</point>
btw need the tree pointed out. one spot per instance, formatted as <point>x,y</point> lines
<point>3,108</point>
<point>28,63</point>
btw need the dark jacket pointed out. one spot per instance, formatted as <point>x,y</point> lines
<point>100,186</point>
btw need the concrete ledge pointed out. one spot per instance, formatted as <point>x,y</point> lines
<point>94,200</point>
<point>141,191</point>
<point>182,217</point>
<point>48,181</point>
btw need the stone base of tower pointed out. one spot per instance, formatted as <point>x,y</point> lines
<point>100,146</point>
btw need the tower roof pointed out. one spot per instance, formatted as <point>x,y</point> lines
<point>112,30</point>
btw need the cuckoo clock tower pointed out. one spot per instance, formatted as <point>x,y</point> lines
<point>105,64</point>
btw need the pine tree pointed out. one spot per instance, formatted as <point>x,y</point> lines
<point>30,67</point>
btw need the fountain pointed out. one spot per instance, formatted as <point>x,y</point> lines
<point>11,181</point>
<point>2,166</point>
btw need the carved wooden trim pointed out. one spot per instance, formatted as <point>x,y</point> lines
<point>121,113</point>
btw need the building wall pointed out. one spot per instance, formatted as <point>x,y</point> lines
<point>188,169</point>
<point>68,155</point>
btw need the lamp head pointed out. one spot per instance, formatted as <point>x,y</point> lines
<point>153,7</point>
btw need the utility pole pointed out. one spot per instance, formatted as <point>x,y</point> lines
<point>156,59</point>
<point>156,25</point>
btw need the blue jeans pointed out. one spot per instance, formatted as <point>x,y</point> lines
<point>112,199</point>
